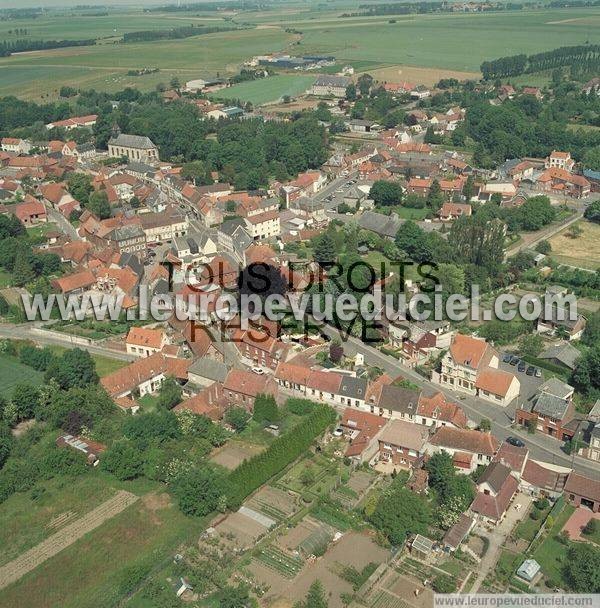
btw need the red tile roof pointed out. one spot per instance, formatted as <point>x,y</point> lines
<point>465,440</point>
<point>495,381</point>
<point>494,507</point>
<point>437,407</point>
<point>143,336</point>
<point>468,351</point>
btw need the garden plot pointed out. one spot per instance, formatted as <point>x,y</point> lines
<point>241,530</point>
<point>397,591</point>
<point>285,564</point>
<point>352,549</point>
<point>273,503</point>
<point>360,481</point>
<point>233,453</point>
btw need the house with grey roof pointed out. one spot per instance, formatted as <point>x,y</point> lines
<point>134,147</point>
<point>206,371</point>
<point>352,391</point>
<point>384,225</point>
<point>563,354</point>
<point>550,411</point>
<point>330,86</point>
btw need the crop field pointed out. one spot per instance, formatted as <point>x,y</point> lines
<point>25,521</point>
<point>13,372</point>
<point>105,67</point>
<point>265,90</point>
<point>422,48</point>
<point>457,42</point>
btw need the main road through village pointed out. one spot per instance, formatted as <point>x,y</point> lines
<point>541,447</point>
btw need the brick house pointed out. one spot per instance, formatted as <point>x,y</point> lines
<point>582,491</point>
<point>241,387</point>
<point>402,443</point>
<point>551,409</point>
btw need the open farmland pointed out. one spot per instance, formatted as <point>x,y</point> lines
<point>105,66</point>
<point>12,372</point>
<point>423,47</point>
<point>265,90</point>
<point>457,42</point>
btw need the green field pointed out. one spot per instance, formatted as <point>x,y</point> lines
<point>459,42</point>
<point>89,573</point>
<point>25,521</point>
<point>438,41</point>
<point>12,372</point>
<point>265,90</point>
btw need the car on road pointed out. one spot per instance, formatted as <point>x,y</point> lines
<point>506,358</point>
<point>258,370</point>
<point>530,370</point>
<point>514,360</point>
<point>518,443</point>
<point>522,366</point>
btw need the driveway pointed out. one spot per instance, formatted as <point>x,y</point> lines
<point>497,535</point>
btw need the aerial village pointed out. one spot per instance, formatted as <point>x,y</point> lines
<point>491,438</point>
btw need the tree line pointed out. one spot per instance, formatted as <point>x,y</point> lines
<point>565,56</point>
<point>254,472</point>
<point>7,47</point>
<point>174,33</point>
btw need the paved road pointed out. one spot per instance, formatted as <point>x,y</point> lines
<point>541,447</point>
<point>25,332</point>
<point>63,223</point>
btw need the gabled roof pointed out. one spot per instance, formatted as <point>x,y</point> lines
<point>399,399</point>
<point>494,475</point>
<point>465,440</point>
<point>248,383</point>
<point>583,486</point>
<point>494,507</point>
<point>144,336</point>
<point>130,377</point>
<point>495,381</point>
<point>132,141</point>
<point>468,351</point>
<point>405,434</point>
<point>436,406</point>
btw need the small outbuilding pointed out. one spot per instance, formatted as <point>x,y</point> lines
<point>528,570</point>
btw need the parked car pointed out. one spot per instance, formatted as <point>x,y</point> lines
<point>258,370</point>
<point>530,370</point>
<point>538,372</point>
<point>506,358</point>
<point>514,360</point>
<point>518,443</point>
<point>338,432</point>
<point>522,366</point>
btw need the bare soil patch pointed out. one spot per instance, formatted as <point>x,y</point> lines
<point>234,453</point>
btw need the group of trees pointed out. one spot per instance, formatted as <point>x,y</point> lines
<point>70,400</point>
<point>564,56</point>
<point>399,513</point>
<point>8,47</point>
<point>453,492</point>
<point>17,256</point>
<point>176,33</point>
<point>81,189</point>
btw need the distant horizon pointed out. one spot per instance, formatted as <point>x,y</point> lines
<point>69,4</point>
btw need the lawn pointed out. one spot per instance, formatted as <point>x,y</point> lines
<point>5,278</point>
<point>88,573</point>
<point>269,89</point>
<point>583,251</point>
<point>13,372</point>
<point>104,365</point>
<point>551,552</point>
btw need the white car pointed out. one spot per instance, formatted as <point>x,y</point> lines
<point>338,432</point>
<point>258,370</point>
